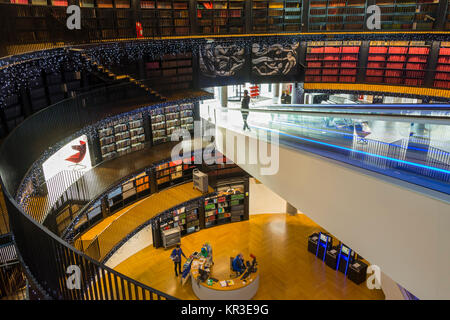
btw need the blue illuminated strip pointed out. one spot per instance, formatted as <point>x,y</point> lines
<point>357,151</point>
<point>293,124</point>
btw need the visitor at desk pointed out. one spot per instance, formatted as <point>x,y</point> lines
<point>176,257</point>
<point>238,264</point>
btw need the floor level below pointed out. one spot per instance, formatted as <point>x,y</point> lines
<point>279,241</point>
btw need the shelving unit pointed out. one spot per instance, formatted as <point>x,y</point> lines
<point>171,172</point>
<point>13,113</point>
<point>226,206</point>
<point>447,17</point>
<point>165,18</point>
<point>442,74</point>
<point>158,124</point>
<point>276,15</point>
<point>172,114</point>
<point>407,14</point>
<point>187,116</point>
<point>330,15</point>
<point>122,136</point>
<point>185,217</point>
<point>170,72</point>
<point>129,191</point>
<point>220,16</point>
<point>165,120</point>
<point>397,62</point>
<point>332,61</point>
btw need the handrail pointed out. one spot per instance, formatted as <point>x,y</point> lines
<point>391,117</point>
<point>45,256</point>
<point>424,162</point>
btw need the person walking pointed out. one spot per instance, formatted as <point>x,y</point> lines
<point>244,106</point>
<point>176,258</point>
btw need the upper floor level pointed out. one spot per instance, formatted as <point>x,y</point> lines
<point>44,21</point>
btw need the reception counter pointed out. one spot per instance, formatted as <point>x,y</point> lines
<point>236,289</point>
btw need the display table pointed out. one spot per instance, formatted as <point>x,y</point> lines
<point>237,290</point>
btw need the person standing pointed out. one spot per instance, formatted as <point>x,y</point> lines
<point>176,257</point>
<point>244,106</point>
<point>283,97</point>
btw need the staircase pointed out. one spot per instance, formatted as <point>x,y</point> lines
<point>124,77</point>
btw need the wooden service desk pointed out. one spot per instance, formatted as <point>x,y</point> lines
<point>239,290</point>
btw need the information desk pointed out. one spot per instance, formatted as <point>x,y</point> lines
<point>238,290</point>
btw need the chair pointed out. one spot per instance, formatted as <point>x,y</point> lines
<point>79,156</point>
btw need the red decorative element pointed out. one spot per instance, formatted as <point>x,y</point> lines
<point>139,30</point>
<point>79,156</point>
<point>208,5</point>
<point>254,91</point>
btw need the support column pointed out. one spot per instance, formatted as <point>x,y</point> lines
<point>224,96</point>
<point>290,209</point>
<point>276,93</point>
<point>297,93</point>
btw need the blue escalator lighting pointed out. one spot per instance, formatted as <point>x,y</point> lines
<point>351,135</point>
<point>357,151</point>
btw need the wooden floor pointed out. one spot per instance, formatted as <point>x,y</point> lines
<point>113,229</point>
<point>279,241</point>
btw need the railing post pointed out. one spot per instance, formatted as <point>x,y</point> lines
<point>248,27</point>
<point>362,61</point>
<point>305,16</point>
<point>432,63</point>
<point>193,17</point>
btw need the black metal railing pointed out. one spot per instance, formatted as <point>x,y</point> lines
<point>48,260</point>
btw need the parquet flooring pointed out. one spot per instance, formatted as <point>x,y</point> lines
<point>279,241</point>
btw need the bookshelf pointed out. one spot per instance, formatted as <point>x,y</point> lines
<point>87,3</point>
<point>105,4</point>
<point>165,120</point>
<point>122,136</point>
<point>172,114</point>
<point>148,18</point>
<point>12,112</point>
<point>442,74</point>
<point>186,217</point>
<point>171,172</point>
<point>226,205</point>
<point>132,189</point>
<point>170,72</point>
<point>276,15</point>
<point>158,124</point>
<point>165,18</point>
<point>447,17</point>
<point>407,14</point>
<point>220,16</point>
<point>397,62</point>
<point>332,61</point>
<point>330,15</point>
<point>187,116</point>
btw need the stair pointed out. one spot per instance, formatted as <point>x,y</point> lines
<point>123,77</point>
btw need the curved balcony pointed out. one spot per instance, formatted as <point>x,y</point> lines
<point>105,98</point>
